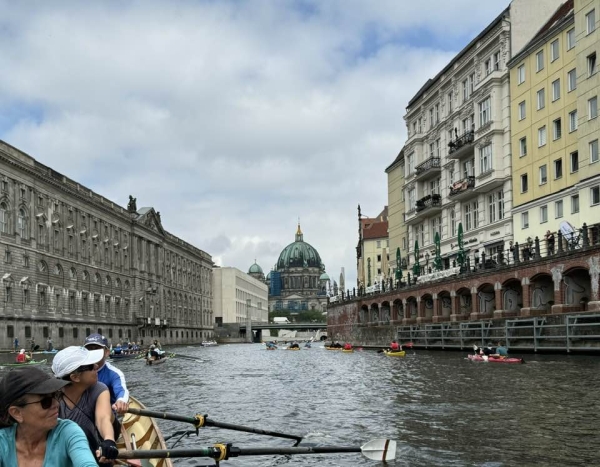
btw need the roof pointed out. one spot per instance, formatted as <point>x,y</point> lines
<point>463,52</point>
<point>371,229</point>
<point>562,16</point>
<point>398,158</point>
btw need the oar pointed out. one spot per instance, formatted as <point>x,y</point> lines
<point>202,420</point>
<point>186,356</point>
<point>377,449</point>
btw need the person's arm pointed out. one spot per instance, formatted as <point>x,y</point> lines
<point>120,389</point>
<point>104,416</point>
<point>77,446</point>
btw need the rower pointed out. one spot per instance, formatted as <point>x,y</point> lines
<point>395,347</point>
<point>347,346</point>
<point>501,350</point>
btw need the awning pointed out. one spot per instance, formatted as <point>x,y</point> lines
<point>454,253</point>
<point>493,242</point>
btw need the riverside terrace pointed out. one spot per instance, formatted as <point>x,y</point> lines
<point>546,279</point>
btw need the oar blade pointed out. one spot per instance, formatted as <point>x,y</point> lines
<point>380,449</point>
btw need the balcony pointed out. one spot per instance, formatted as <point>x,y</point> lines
<point>463,188</point>
<point>429,202</point>
<point>430,167</point>
<point>461,146</point>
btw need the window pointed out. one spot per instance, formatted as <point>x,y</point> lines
<point>436,224</point>
<point>554,52</point>
<point>431,122</point>
<point>574,161</point>
<point>543,214</point>
<point>573,121</point>
<point>541,99</point>
<point>22,223</point>
<point>379,258</point>
<point>595,195</point>
<point>484,111</point>
<point>556,129</point>
<point>75,333</point>
<point>542,136</point>
<point>555,90</point>
<point>521,74</point>
<point>488,66</point>
<point>379,246</point>
<point>523,146</point>
<point>496,61</point>
<point>557,169</point>
<point>3,218</point>
<point>496,206</point>
<point>525,220</point>
<point>594,151</point>
<point>570,38</point>
<point>452,223</point>
<point>543,175</point>
<point>437,113</point>
<point>449,103</point>
<point>591,63</point>
<point>471,215</point>
<point>414,128</point>
<point>539,61</point>
<point>558,209</point>
<point>572,80</point>
<point>410,164</point>
<point>590,21</point>
<point>522,110</point>
<point>26,297</point>
<point>485,158</point>
<point>593,107</point>
<point>411,199</point>
<point>574,204</point>
<point>524,185</point>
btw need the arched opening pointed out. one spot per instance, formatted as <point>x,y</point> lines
<point>512,296</point>
<point>487,299</point>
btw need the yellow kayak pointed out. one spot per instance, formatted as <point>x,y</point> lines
<point>348,350</point>
<point>293,348</point>
<point>333,348</point>
<point>401,353</point>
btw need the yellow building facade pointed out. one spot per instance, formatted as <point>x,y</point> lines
<point>397,231</point>
<point>551,133</point>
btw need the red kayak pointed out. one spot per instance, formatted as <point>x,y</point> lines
<point>483,358</point>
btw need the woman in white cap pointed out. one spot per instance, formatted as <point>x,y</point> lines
<point>31,433</point>
<point>85,400</point>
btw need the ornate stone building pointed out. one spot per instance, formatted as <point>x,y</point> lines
<point>74,263</point>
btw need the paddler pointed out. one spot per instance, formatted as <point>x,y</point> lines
<point>395,347</point>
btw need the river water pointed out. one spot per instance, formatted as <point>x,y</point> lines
<point>442,409</point>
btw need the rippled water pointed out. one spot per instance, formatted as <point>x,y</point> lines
<point>442,409</point>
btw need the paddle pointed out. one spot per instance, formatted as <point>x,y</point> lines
<point>202,420</point>
<point>185,356</point>
<point>377,449</point>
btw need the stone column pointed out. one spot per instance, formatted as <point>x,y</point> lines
<point>594,264</point>
<point>499,311</point>
<point>557,279</point>
<point>474,304</point>
<point>437,312</point>
<point>454,307</point>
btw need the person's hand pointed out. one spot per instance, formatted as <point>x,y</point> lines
<point>120,407</point>
<point>108,449</point>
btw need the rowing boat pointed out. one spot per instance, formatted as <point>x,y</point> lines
<point>126,356</point>
<point>142,433</point>
<point>158,361</point>
<point>485,358</point>
<point>400,353</point>
<point>30,362</point>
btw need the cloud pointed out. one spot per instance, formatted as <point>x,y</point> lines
<point>231,118</point>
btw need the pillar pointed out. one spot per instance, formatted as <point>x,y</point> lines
<point>594,264</point>
<point>474,304</point>
<point>558,294</point>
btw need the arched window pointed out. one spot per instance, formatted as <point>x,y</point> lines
<point>22,223</point>
<point>3,218</point>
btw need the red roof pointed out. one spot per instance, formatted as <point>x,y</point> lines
<point>373,228</point>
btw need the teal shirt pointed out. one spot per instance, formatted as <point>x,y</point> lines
<point>502,351</point>
<point>66,446</point>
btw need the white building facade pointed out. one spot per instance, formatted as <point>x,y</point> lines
<point>236,294</point>
<point>458,152</point>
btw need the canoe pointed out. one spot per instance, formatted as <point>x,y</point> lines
<point>142,433</point>
<point>30,362</point>
<point>348,350</point>
<point>400,353</point>
<point>293,348</point>
<point>480,358</point>
<point>333,348</point>
<point>125,356</point>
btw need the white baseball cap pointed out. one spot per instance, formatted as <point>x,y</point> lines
<point>69,359</point>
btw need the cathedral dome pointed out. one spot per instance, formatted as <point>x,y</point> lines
<point>299,255</point>
<point>255,269</point>
<point>324,277</point>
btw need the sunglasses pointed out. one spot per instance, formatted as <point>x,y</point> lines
<point>46,401</point>
<point>85,368</point>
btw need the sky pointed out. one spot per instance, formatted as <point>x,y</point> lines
<point>234,119</point>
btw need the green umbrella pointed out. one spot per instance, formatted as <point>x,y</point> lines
<point>416,266</point>
<point>437,261</point>
<point>461,246</point>
<point>398,265</point>
<point>369,272</point>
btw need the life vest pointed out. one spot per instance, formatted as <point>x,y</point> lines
<point>348,346</point>
<point>395,346</point>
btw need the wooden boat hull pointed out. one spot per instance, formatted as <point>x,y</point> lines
<point>401,353</point>
<point>295,348</point>
<point>479,358</point>
<point>31,362</point>
<point>142,433</point>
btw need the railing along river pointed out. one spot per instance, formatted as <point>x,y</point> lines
<point>442,409</point>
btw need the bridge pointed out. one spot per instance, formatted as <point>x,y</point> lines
<point>257,328</point>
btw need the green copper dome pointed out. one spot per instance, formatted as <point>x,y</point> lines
<point>255,268</point>
<point>324,277</point>
<point>299,255</point>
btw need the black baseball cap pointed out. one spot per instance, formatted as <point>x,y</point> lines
<point>29,380</point>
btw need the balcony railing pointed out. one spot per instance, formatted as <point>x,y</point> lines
<point>429,201</point>
<point>467,138</point>
<point>463,185</point>
<point>431,163</point>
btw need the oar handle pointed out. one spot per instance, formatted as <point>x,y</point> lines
<point>163,415</point>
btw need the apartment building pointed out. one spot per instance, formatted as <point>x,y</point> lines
<point>458,153</point>
<point>397,230</point>
<point>373,250</point>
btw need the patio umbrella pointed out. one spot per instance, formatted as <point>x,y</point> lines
<point>369,272</point>
<point>461,246</point>
<point>416,266</point>
<point>384,264</point>
<point>398,265</point>
<point>437,261</point>
<point>361,273</point>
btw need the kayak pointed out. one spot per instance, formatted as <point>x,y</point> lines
<point>30,362</point>
<point>142,433</point>
<point>400,353</point>
<point>271,348</point>
<point>333,348</point>
<point>293,348</point>
<point>483,358</point>
<point>348,350</point>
